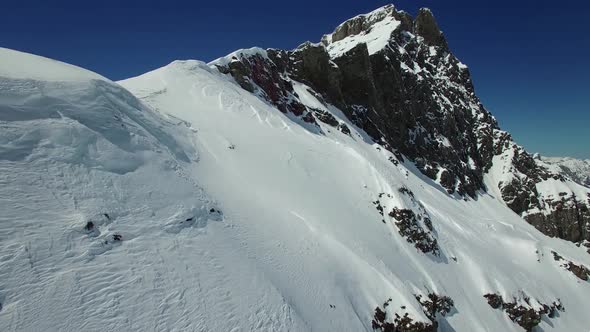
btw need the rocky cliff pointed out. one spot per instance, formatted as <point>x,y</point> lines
<point>394,76</point>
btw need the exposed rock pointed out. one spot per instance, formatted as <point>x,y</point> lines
<point>568,219</point>
<point>404,190</point>
<point>579,271</point>
<point>411,229</point>
<point>399,324</point>
<point>406,324</point>
<point>415,227</point>
<point>435,305</point>
<point>409,97</point>
<point>263,74</point>
<point>432,306</point>
<point>417,100</point>
<point>344,129</point>
<point>325,117</point>
<point>494,300</point>
<point>560,214</point>
<point>311,64</point>
<point>585,244</point>
<point>524,314</point>
<point>426,27</point>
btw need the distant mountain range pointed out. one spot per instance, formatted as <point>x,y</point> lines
<point>576,169</point>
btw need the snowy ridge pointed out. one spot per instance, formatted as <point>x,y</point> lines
<point>40,68</point>
<point>374,29</point>
<point>239,54</point>
<point>333,244</point>
<point>95,195</point>
<point>181,200</point>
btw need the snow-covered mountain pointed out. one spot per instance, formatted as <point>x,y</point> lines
<point>577,169</point>
<point>396,79</point>
<point>356,184</point>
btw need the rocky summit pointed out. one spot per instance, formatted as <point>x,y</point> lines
<point>395,77</point>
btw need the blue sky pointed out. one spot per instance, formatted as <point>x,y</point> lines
<point>529,59</point>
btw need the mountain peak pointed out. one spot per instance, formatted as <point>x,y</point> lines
<point>374,29</point>
<point>361,23</point>
<point>425,26</point>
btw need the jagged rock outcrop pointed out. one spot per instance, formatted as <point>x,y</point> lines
<point>548,200</point>
<point>522,310</point>
<point>425,25</point>
<point>395,77</point>
<point>578,270</point>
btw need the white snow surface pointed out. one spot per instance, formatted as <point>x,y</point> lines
<point>234,56</point>
<point>297,231</point>
<point>376,38</point>
<point>19,65</point>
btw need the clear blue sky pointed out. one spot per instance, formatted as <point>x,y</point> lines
<point>530,60</point>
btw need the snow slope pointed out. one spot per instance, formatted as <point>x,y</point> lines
<point>75,148</point>
<point>211,210</point>
<point>300,202</point>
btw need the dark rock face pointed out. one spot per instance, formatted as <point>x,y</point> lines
<point>569,220</point>
<point>433,306</point>
<point>426,26</point>
<point>414,226</point>
<point>259,74</point>
<point>565,215</point>
<point>579,271</point>
<point>403,323</point>
<point>524,315</point>
<point>416,99</point>
<point>311,64</point>
<point>410,228</point>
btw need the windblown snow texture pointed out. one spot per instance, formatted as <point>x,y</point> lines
<point>239,195</point>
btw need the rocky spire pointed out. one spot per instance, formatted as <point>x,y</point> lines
<point>425,26</point>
